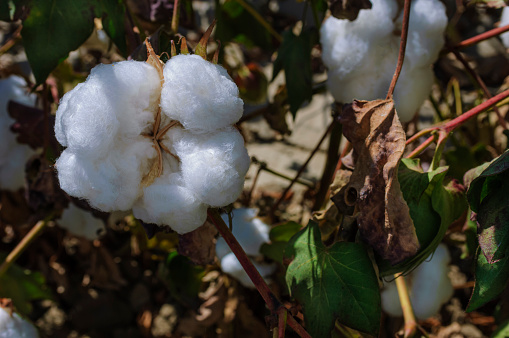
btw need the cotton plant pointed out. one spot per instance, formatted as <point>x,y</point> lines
<point>429,287</point>
<point>504,21</point>
<point>13,325</point>
<point>251,233</point>
<point>13,155</point>
<point>361,55</point>
<point>81,223</point>
<point>155,138</point>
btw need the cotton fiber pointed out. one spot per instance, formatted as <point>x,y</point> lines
<point>13,156</point>
<point>504,21</point>
<point>429,287</point>
<point>199,94</point>
<point>361,55</point>
<point>251,233</point>
<point>133,143</point>
<point>13,326</point>
<point>81,223</point>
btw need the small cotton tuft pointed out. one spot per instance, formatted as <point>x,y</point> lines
<point>199,94</point>
<point>13,326</point>
<point>504,21</point>
<point>81,223</point>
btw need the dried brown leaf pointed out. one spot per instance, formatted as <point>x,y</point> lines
<point>199,245</point>
<point>378,141</point>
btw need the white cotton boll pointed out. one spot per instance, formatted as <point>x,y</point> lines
<point>249,231</point>
<point>504,21</point>
<point>13,326</point>
<point>81,223</point>
<point>117,100</point>
<point>429,287</point>
<point>361,55</point>
<point>231,265</point>
<point>167,202</point>
<point>199,94</point>
<point>213,165</point>
<point>12,171</point>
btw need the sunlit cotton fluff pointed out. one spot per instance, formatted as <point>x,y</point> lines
<point>251,233</point>
<point>429,287</point>
<point>361,55</point>
<point>81,223</point>
<point>199,94</point>
<point>108,125</point>
<point>13,155</point>
<point>504,21</point>
<point>13,326</point>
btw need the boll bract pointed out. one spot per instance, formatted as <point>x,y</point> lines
<point>251,233</point>
<point>13,326</point>
<point>13,155</point>
<point>81,223</point>
<point>157,140</point>
<point>504,21</point>
<point>429,287</point>
<point>361,55</point>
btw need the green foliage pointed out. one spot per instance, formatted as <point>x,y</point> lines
<point>279,237</point>
<point>433,207</point>
<point>23,286</point>
<point>294,57</point>
<point>336,282</point>
<point>53,28</point>
<point>502,331</point>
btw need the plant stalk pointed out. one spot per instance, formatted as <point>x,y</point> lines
<point>406,306</point>
<point>481,37</point>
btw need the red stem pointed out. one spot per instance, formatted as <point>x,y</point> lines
<point>282,315</point>
<point>483,36</point>
<point>421,147</point>
<point>402,47</point>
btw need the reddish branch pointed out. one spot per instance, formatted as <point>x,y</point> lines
<point>402,47</point>
<point>481,37</point>
<point>270,299</point>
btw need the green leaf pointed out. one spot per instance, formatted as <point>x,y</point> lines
<point>502,331</point>
<point>294,56</point>
<point>433,207</point>
<point>336,282</point>
<point>274,251</point>
<point>23,286</point>
<point>490,281</point>
<point>283,232</point>
<point>112,13</point>
<point>52,29</point>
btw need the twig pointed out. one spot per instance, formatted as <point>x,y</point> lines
<point>22,245</point>
<point>270,299</point>
<point>481,37</point>
<point>263,166</point>
<point>255,180</point>
<point>176,16</point>
<point>282,315</point>
<point>417,151</point>
<point>406,306</point>
<point>402,47</point>
<point>11,41</point>
<point>301,170</point>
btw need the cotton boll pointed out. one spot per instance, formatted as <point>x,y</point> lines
<point>12,171</point>
<point>231,265</point>
<point>199,94</point>
<point>429,287</point>
<point>81,223</point>
<point>504,21</point>
<point>249,231</point>
<point>116,100</point>
<point>213,165</point>
<point>412,90</point>
<point>13,326</point>
<point>167,202</point>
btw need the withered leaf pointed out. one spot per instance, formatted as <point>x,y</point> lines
<point>199,245</point>
<point>378,140</point>
<point>348,9</point>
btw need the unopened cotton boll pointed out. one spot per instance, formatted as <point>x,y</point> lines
<point>504,21</point>
<point>429,287</point>
<point>13,155</point>
<point>361,55</point>
<point>199,94</point>
<point>13,326</point>
<point>81,223</point>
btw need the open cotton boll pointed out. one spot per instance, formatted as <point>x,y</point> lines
<point>249,231</point>
<point>504,21</point>
<point>429,287</point>
<point>199,94</point>
<point>231,265</point>
<point>13,326</point>
<point>361,55</point>
<point>81,223</point>
<point>167,202</point>
<point>13,155</point>
<point>213,165</point>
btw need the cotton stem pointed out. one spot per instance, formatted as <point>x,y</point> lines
<point>481,37</point>
<point>406,305</point>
